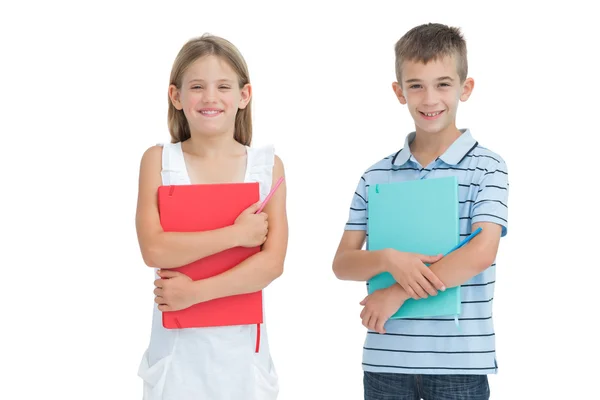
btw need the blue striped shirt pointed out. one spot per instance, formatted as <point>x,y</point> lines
<point>436,345</point>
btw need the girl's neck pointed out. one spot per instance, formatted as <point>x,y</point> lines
<point>212,146</point>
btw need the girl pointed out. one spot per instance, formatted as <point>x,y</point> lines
<point>211,130</point>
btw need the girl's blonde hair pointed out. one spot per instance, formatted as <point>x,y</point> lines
<point>189,53</point>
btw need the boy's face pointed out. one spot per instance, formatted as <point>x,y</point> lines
<point>432,91</point>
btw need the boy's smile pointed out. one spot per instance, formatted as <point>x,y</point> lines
<point>432,91</point>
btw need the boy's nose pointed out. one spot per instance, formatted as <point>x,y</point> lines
<point>431,97</point>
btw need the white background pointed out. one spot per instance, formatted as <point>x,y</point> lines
<point>84,93</point>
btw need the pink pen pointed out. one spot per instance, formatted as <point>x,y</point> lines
<point>273,189</point>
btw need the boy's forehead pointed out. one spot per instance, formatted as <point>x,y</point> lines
<point>433,69</point>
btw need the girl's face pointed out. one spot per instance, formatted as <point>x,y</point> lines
<point>210,96</point>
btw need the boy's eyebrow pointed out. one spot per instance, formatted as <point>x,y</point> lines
<point>443,78</point>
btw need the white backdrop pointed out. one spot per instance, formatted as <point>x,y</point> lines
<point>85,93</point>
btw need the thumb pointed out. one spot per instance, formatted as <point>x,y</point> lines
<point>166,274</point>
<point>253,208</point>
<point>430,259</point>
<point>364,301</point>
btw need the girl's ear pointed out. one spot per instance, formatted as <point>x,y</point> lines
<point>174,95</point>
<point>246,93</point>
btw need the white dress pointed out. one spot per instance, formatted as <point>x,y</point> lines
<point>217,363</point>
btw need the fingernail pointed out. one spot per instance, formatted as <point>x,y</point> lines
<point>443,288</point>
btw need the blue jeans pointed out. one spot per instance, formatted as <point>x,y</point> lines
<point>383,386</point>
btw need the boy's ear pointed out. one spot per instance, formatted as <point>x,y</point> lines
<point>174,96</point>
<point>398,92</point>
<point>467,89</point>
<point>246,93</point>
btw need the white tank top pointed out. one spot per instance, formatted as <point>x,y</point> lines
<point>210,363</point>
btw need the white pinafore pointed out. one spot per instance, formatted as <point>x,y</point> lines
<point>217,363</point>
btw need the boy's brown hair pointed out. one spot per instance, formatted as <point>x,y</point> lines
<point>432,41</point>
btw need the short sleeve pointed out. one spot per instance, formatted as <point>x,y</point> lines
<point>491,203</point>
<point>357,219</point>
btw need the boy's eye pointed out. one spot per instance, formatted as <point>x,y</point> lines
<point>444,84</point>
<point>415,86</point>
<point>224,87</point>
<point>196,87</point>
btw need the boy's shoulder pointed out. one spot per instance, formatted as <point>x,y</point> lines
<point>384,164</point>
<point>486,158</point>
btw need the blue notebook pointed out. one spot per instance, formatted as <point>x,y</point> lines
<point>418,216</point>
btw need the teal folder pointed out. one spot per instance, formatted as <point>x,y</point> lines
<point>418,216</point>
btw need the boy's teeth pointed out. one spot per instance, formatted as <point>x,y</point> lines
<point>432,114</point>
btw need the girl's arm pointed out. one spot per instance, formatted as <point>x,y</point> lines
<point>256,272</point>
<point>166,250</point>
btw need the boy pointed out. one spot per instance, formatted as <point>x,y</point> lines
<point>430,358</point>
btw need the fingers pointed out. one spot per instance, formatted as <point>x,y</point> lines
<point>419,290</point>
<point>159,282</point>
<point>435,281</point>
<point>158,292</point>
<point>366,320</point>
<point>409,291</point>
<point>373,322</point>
<point>378,326</point>
<point>427,286</point>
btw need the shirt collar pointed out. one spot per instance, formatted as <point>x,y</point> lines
<point>452,156</point>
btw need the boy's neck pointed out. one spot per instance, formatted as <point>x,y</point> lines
<point>427,147</point>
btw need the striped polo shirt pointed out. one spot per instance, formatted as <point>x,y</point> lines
<point>437,345</point>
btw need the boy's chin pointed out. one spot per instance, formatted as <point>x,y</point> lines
<point>432,129</point>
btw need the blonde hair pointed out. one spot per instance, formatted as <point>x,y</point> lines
<point>193,50</point>
<point>430,42</point>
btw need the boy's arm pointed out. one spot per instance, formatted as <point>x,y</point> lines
<point>471,259</point>
<point>353,263</point>
<point>490,212</point>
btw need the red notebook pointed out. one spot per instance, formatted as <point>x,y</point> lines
<point>194,208</point>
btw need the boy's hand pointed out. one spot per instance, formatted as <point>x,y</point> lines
<point>174,291</point>
<point>381,305</point>
<point>409,270</point>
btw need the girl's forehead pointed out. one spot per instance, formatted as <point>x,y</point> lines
<point>209,67</point>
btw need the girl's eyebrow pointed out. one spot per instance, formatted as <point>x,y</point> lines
<point>202,80</point>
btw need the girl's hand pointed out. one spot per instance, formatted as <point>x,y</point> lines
<point>174,291</point>
<point>252,228</point>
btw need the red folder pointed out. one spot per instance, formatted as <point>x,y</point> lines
<point>194,208</point>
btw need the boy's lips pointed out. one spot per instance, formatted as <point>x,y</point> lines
<point>431,115</point>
